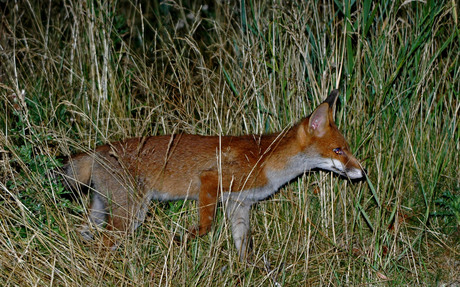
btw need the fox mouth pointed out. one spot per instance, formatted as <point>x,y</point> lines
<point>348,173</point>
<point>333,168</point>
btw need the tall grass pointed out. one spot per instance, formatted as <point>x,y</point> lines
<point>75,74</point>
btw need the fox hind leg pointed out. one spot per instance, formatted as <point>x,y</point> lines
<point>97,215</point>
<point>105,211</point>
<point>125,214</point>
<point>117,221</point>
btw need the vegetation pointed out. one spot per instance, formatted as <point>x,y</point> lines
<point>76,74</point>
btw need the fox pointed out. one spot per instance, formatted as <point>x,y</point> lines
<point>236,171</point>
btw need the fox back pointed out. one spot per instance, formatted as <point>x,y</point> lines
<point>236,170</point>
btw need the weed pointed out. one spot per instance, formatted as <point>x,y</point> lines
<point>76,74</point>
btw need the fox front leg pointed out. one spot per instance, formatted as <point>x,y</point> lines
<point>238,213</point>
<point>207,201</point>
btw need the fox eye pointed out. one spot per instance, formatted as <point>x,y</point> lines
<point>338,151</point>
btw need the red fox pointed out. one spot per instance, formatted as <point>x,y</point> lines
<point>235,170</point>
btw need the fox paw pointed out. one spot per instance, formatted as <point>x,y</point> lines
<point>198,230</point>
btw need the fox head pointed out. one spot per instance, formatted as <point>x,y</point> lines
<point>325,145</point>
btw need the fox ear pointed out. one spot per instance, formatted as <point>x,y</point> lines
<point>319,120</point>
<point>331,100</point>
<point>321,117</point>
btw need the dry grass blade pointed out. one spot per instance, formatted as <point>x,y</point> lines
<point>75,74</point>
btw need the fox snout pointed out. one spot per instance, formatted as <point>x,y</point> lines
<point>351,171</point>
<point>355,173</point>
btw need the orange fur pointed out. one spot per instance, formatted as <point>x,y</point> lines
<point>238,169</point>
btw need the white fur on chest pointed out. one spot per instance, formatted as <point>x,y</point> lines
<point>276,178</point>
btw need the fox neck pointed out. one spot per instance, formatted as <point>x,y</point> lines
<point>283,158</point>
<point>291,155</point>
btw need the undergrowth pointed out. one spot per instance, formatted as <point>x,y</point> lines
<point>77,74</point>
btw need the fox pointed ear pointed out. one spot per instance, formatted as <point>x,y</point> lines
<point>331,100</point>
<point>319,120</point>
<point>324,114</point>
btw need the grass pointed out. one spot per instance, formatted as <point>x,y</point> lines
<point>75,74</point>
